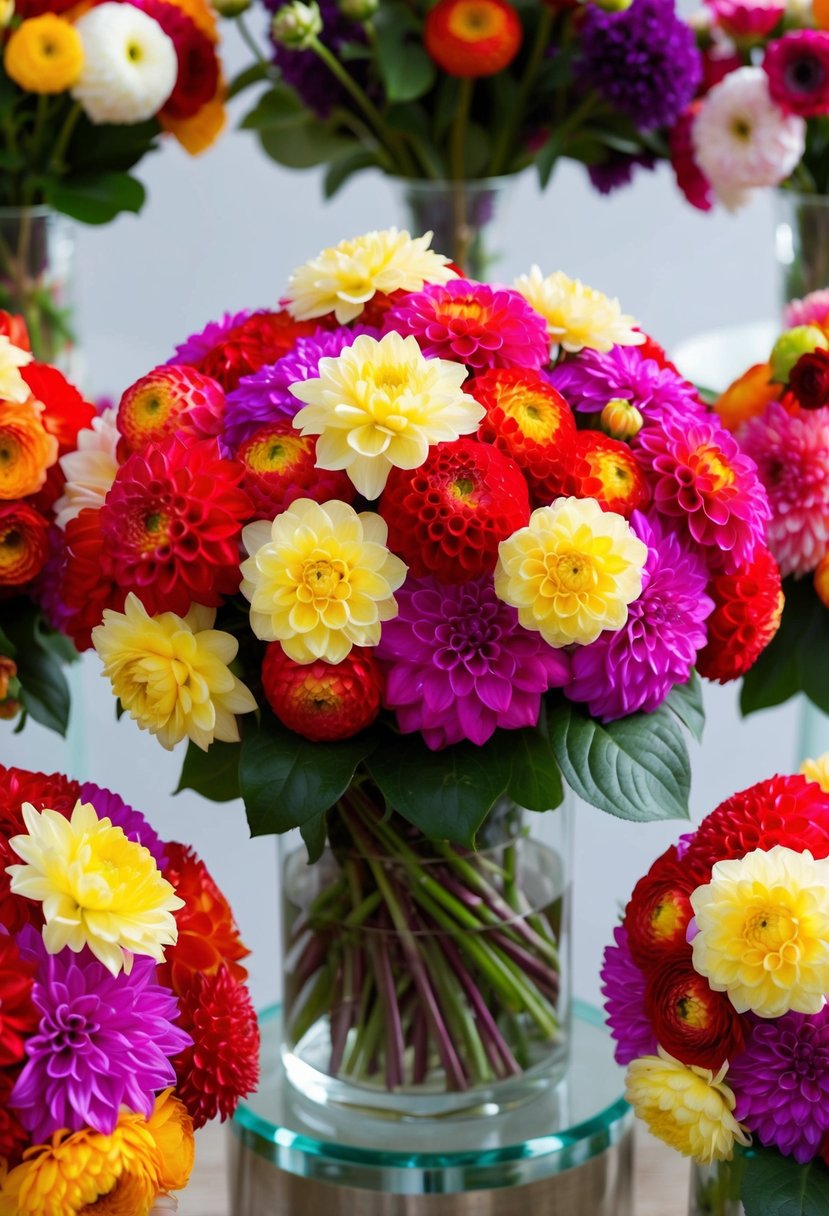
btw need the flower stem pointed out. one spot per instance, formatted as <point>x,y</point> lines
<point>506,142</point>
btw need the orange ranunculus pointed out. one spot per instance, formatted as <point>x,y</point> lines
<point>27,449</point>
<point>198,133</point>
<point>23,544</point>
<point>747,396</point>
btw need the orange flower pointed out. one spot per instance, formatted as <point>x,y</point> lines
<point>13,327</point>
<point>198,133</point>
<point>201,14</point>
<point>27,450</point>
<point>64,410</point>
<point>23,544</point>
<point>747,396</point>
<point>472,37</point>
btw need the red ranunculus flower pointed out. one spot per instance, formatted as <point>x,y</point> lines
<point>319,700</point>
<point>19,785</point>
<point>87,586</point>
<point>18,1016</point>
<point>472,37</point>
<point>689,177</point>
<point>606,469</point>
<point>24,544</point>
<point>13,1136</point>
<point>12,325</point>
<point>748,606</point>
<point>659,910</point>
<point>262,338</point>
<point>693,1023</point>
<point>65,412</point>
<point>809,380</point>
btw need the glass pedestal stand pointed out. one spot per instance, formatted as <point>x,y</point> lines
<point>567,1152</point>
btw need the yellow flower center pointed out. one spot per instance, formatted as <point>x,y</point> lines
<point>709,463</point>
<point>128,1196</point>
<point>741,129</point>
<point>692,1012</point>
<point>475,20</point>
<point>664,920</point>
<point>774,932</point>
<point>570,572</point>
<point>135,52</point>
<point>323,580</point>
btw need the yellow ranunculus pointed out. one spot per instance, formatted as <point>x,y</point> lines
<point>172,1130</point>
<point>44,55</point>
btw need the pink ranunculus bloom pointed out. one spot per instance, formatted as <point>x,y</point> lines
<point>797,66</point>
<point>747,19</point>
<point>813,309</point>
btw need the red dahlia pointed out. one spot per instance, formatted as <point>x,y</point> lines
<point>223,1063</point>
<point>530,422</point>
<point>208,936</point>
<point>659,910</point>
<point>13,1137</point>
<point>12,325</point>
<point>746,616</point>
<point>198,68</point>
<point>323,701</point>
<point>24,544</point>
<point>170,399</point>
<point>65,411</point>
<point>280,466</point>
<point>171,524</point>
<point>19,785</point>
<point>606,469</point>
<point>262,338</point>
<point>790,811</point>
<point>448,516</point>
<point>693,1023</point>
<point>472,37</point>
<point>87,586</point>
<point>18,1016</point>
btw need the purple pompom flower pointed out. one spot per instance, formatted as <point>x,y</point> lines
<point>193,350</point>
<point>635,667</point>
<point>264,396</point>
<point>459,665</point>
<point>131,822</point>
<point>781,1082</point>
<point>474,324</point>
<point>623,987</point>
<point>592,378</point>
<point>303,71</point>
<point>617,170</point>
<point>103,1041</point>
<point>643,61</point>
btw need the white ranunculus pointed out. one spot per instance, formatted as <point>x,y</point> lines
<point>130,64</point>
<point>89,470</point>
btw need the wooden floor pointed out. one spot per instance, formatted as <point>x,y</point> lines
<point>661,1178</point>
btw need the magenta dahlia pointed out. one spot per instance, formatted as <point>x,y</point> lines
<point>474,324</point>
<point>623,987</point>
<point>797,66</point>
<point>791,452</point>
<point>699,476</point>
<point>635,667</point>
<point>459,665</point>
<point>592,378</point>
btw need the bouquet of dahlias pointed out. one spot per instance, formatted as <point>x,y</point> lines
<point>41,418</point>
<point>122,1030</point>
<point>716,989</point>
<point>408,547</point>
<point>778,412</point>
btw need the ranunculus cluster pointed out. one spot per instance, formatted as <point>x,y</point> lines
<point>110,1055</point>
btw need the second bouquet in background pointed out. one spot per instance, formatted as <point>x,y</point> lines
<point>395,560</point>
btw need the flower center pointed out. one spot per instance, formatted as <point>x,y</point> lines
<point>463,488</point>
<point>322,578</point>
<point>741,129</point>
<point>665,919</point>
<point>473,21</point>
<point>804,75</point>
<point>691,1011</point>
<point>709,463</point>
<point>134,52</point>
<point>572,571</point>
<point>770,929</point>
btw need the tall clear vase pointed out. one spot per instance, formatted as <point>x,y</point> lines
<point>37,248</point>
<point>465,217</point>
<point>802,243</point>
<point>715,1189</point>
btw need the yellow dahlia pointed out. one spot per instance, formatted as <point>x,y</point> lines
<point>98,889</point>
<point>817,771</point>
<point>689,1108</point>
<point>577,315</point>
<point>381,404</point>
<point>12,385</point>
<point>172,1129</point>
<point>44,54</point>
<point>572,572</point>
<point>320,579</point>
<point>344,278</point>
<point>172,674</point>
<point>87,1174</point>
<point>763,931</point>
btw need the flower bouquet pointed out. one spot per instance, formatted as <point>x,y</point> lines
<point>394,559</point>
<point>716,995</point>
<point>87,92</point>
<point>126,1022</point>
<point>41,418</point>
<point>449,96</point>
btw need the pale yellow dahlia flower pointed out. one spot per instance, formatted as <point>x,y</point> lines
<point>98,889</point>
<point>763,931</point>
<point>89,470</point>
<point>818,771</point>
<point>320,579</point>
<point>12,385</point>
<point>577,316</point>
<point>689,1108</point>
<point>172,674</point>
<point>380,405</point>
<point>572,571</point>
<point>344,278</point>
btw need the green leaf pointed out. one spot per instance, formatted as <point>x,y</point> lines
<point>535,782</point>
<point>109,147</point>
<point>7,646</point>
<point>636,768</point>
<point>304,144</point>
<point>406,70</point>
<point>287,782</point>
<point>214,773</point>
<point>774,1185</point>
<point>44,691</point>
<point>797,659</point>
<point>315,833</point>
<point>548,155</point>
<point>445,794</point>
<point>57,643</point>
<point>278,107</point>
<point>341,169</point>
<point>685,700</point>
<point>95,198</point>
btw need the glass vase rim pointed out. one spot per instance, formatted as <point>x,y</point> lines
<point>435,184</point>
<point>38,210</point>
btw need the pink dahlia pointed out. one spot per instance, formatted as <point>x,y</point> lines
<point>171,525</point>
<point>699,475</point>
<point>474,324</point>
<point>635,667</point>
<point>623,987</point>
<point>797,66</point>
<point>813,309</point>
<point>791,452</point>
<point>459,665</point>
<point>747,19</point>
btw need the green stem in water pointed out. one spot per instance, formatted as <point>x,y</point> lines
<point>459,124</point>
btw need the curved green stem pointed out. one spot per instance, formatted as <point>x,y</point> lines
<point>56,161</point>
<point>249,41</point>
<point>459,125</point>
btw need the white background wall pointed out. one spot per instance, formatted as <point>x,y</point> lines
<point>222,233</point>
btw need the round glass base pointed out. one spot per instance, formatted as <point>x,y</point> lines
<point>568,1150</point>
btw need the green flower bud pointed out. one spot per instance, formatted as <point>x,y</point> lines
<point>621,419</point>
<point>613,6</point>
<point>297,25</point>
<point>230,8</point>
<point>359,10</point>
<point>788,348</point>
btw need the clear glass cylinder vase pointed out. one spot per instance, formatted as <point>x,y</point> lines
<point>802,243</point>
<point>715,1189</point>
<point>422,979</point>
<point>37,250</point>
<point>465,217</point>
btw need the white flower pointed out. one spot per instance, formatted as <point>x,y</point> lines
<point>743,140</point>
<point>90,470</point>
<point>297,25</point>
<point>130,64</point>
<point>12,385</point>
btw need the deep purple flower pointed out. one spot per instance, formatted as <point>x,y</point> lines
<point>306,73</point>
<point>132,822</point>
<point>193,349</point>
<point>592,378</point>
<point>459,665</point>
<point>635,667</point>
<point>643,61</point>
<point>103,1041</point>
<point>46,589</point>
<point>264,396</point>
<point>781,1082</point>
<point>623,987</point>
<point>617,170</point>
